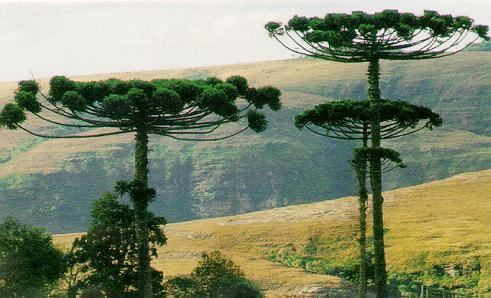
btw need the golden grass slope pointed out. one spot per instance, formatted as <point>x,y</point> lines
<point>449,221</point>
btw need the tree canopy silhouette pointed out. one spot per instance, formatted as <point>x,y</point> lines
<point>350,119</point>
<point>390,35</point>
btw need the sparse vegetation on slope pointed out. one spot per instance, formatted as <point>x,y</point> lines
<point>442,223</point>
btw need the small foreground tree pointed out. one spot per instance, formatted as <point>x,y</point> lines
<point>107,255</point>
<point>29,261</point>
<point>215,276</point>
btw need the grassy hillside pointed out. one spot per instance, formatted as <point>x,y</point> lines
<point>441,224</point>
<point>280,167</point>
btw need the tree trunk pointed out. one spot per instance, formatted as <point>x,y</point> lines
<point>376,180</point>
<point>140,205</point>
<point>361,174</point>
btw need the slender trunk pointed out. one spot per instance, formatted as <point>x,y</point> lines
<point>140,205</point>
<point>376,180</point>
<point>361,174</point>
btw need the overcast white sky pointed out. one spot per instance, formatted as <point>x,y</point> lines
<point>84,37</point>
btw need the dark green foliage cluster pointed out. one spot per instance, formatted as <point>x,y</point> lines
<point>135,189</point>
<point>165,103</point>
<point>25,99</point>
<point>106,256</point>
<point>359,36</point>
<point>11,115</point>
<point>339,112</point>
<point>25,96</point>
<point>215,276</point>
<point>29,261</point>
<point>348,118</point>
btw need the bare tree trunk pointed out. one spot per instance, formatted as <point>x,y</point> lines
<point>376,180</point>
<point>361,174</point>
<point>140,205</point>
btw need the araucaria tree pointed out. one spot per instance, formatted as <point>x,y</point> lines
<point>360,37</point>
<point>350,120</point>
<point>178,109</point>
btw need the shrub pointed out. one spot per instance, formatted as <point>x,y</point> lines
<point>180,287</point>
<point>107,255</point>
<point>29,261</point>
<point>215,276</point>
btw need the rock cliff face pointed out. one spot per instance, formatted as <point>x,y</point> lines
<point>52,182</point>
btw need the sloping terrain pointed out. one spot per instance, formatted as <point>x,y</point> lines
<point>52,182</point>
<point>442,223</point>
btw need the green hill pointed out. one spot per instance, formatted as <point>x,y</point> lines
<point>52,182</point>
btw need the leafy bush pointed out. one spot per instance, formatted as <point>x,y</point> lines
<point>351,271</point>
<point>180,287</point>
<point>461,278</point>
<point>107,255</point>
<point>215,276</point>
<point>29,261</point>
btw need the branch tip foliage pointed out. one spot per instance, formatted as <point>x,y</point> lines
<point>350,119</point>
<point>390,34</point>
<point>178,108</point>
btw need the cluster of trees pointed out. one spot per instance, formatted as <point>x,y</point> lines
<point>104,261</point>
<point>368,38</point>
<point>122,239</point>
